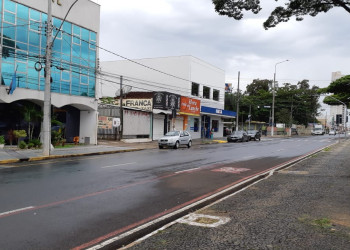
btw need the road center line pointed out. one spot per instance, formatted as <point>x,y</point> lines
<point>187,170</point>
<point>123,164</point>
<point>16,210</point>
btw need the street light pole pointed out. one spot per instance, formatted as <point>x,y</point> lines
<point>273,98</point>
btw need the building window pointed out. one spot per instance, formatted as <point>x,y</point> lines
<point>195,89</point>
<point>216,94</point>
<point>196,125</point>
<point>215,125</point>
<point>206,92</point>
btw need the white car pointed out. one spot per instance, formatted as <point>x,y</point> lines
<point>175,139</point>
<point>332,132</point>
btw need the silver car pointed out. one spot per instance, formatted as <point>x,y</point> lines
<point>175,139</point>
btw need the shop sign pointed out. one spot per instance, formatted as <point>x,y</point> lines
<point>105,122</point>
<point>190,105</point>
<point>166,100</point>
<point>142,104</point>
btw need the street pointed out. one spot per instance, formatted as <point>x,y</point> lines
<point>79,202</point>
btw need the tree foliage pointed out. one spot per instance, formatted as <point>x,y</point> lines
<point>297,8</point>
<point>293,103</point>
<point>340,90</point>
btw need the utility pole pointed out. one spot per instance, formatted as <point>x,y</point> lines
<point>237,115</point>
<point>121,108</point>
<point>46,133</point>
<point>47,93</point>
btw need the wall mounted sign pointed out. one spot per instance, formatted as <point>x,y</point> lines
<point>190,106</point>
<point>166,100</point>
<point>142,104</point>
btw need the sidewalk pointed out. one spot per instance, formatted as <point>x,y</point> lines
<point>12,154</point>
<point>305,206</point>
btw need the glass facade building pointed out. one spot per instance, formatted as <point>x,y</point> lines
<point>23,43</point>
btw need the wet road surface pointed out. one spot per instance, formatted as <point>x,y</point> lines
<point>82,201</point>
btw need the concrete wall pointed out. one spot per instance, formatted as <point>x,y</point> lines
<point>88,128</point>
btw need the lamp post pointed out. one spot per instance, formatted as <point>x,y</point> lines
<point>273,98</point>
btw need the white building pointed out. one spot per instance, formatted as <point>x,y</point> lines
<point>184,76</point>
<point>23,43</point>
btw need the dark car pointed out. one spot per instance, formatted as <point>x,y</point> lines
<point>238,136</point>
<point>254,135</point>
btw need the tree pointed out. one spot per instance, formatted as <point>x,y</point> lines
<point>297,8</point>
<point>340,89</point>
<point>32,115</point>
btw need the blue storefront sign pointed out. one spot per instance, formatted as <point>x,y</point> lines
<point>215,111</point>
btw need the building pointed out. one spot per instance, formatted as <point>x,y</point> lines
<point>73,65</point>
<point>188,92</point>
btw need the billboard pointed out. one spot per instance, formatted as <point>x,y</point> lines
<point>228,87</point>
<point>190,106</point>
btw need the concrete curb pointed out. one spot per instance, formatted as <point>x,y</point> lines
<point>41,158</point>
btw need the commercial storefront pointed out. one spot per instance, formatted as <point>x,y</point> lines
<point>165,108</point>
<point>73,64</point>
<point>212,121</point>
<point>190,111</point>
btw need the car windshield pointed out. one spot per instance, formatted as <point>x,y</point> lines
<point>251,131</point>
<point>237,133</point>
<point>173,133</point>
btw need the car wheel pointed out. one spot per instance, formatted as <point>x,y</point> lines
<point>177,144</point>
<point>189,144</point>
<point>160,147</point>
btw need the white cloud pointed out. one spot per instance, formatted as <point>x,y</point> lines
<point>316,46</point>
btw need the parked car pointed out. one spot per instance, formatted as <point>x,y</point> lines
<point>175,139</point>
<point>332,132</point>
<point>254,135</point>
<point>236,136</point>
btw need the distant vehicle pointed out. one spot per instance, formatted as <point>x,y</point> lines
<point>332,132</point>
<point>254,135</point>
<point>175,139</point>
<point>236,136</point>
<point>318,130</point>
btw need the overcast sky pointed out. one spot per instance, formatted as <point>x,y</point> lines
<point>316,47</point>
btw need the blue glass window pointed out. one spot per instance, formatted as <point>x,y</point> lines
<point>34,15</point>
<point>22,32</point>
<point>10,6</point>
<point>9,17</point>
<point>22,12</point>
<point>9,32</point>
<point>34,38</point>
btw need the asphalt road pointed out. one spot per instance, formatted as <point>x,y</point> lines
<point>79,202</point>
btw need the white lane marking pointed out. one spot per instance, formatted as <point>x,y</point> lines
<point>123,164</point>
<point>16,210</point>
<point>187,170</point>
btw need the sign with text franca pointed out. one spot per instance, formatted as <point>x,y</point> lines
<point>142,104</point>
<point>190,105</point>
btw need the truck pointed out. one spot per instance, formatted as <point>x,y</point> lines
<point>318,130</point>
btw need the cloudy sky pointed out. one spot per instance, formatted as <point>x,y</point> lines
<point>316,47</point>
